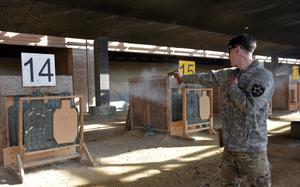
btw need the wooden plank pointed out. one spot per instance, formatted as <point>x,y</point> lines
<point>177,128</point>
<point>158,103</point>
<point>9,155</point>
<point>51,160</point>
<point>198,124</point>
<point>89,158</point>
<point>52,150</point>
<point>158,130</point>
<point>199,129</point>
<point>9,101</point>
<point>50,97</point>
<point>20,168</point>
<point>49,154</point>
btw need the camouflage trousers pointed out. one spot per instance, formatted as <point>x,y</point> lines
<point>245,169</point>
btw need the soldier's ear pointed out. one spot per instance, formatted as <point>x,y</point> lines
<point>239,50</point>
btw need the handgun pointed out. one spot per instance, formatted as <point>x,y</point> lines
<point>172,73</point>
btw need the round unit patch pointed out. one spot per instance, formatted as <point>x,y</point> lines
<point>257,90</point>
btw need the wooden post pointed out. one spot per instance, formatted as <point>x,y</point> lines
<point>298,97</point>
<point>212,130</point>
<point>184,92</point>
<point>89,158</point>
<point>81,123</point>
<point>168,103</point>
<point>21,173</point>
<point>20,124</point>
<point>6,122</point>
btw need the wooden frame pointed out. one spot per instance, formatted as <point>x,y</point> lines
<point>141,91</point>
<point>16,158</point>
<point>144,115</point>
<point>286,94</point>
<point>182,128</point>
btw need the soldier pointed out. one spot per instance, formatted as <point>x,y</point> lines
<point>247,89</point>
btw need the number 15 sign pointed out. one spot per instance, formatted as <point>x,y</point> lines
<point>38,69</point>
<point>186,67</point>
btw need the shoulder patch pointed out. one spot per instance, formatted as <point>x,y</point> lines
<point>257,90</point>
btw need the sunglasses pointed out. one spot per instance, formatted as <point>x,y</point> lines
<point>233,47</point>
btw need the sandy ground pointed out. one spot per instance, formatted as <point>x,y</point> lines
<point>129,158</point>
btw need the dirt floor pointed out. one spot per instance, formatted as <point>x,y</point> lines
<point>129,158</point>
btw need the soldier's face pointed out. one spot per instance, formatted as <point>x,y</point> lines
<point>233,57</point>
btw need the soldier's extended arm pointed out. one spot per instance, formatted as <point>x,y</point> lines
<point>256,96</point>
<point>212,78</point>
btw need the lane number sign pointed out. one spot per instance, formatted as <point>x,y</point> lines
<point>38,69</point>
<point>186,67</point>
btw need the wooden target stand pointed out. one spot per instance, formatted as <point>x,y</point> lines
<point>182,128</point>
<point>65,130</point>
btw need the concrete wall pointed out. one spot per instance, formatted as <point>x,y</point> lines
<point>10,66</point>
<point>83,76</point>
<point>12,85</point>
<point>120,72</point>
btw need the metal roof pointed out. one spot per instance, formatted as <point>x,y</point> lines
<point>206,24</point>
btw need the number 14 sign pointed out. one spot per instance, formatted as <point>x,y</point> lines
<point>38,69</point>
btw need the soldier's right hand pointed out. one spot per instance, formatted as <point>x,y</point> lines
<point>178,77</point>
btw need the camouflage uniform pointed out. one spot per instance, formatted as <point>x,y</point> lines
<point>245,111</point>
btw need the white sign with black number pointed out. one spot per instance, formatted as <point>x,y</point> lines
<point>38,69</point>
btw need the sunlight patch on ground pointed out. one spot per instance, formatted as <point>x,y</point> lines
<point>205,154</point>
<point>92,127</point>
<point>118,170</point>
<point>32,180</point>
<point>272,125</point>
<point>291,114</point>
<point>154,155</point>
<point>169,167</point>
<point>279,131</point>
<point>143,174</point>
<point>119,122</point>
<point>287,115</point>
<point>201,137</point>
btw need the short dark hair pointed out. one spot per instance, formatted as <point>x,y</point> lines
<point>245,41</point>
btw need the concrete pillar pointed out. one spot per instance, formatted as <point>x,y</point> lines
<point>275,65</point>
<point>101,72</point>
<point>101,61</point>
